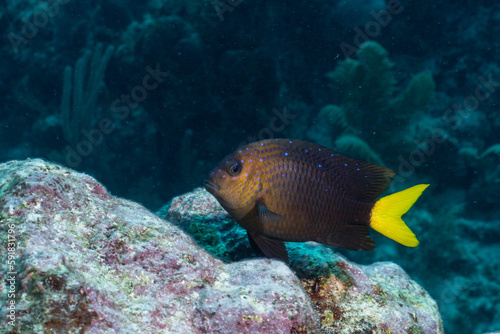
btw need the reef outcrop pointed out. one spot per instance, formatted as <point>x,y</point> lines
<point>77,259</point>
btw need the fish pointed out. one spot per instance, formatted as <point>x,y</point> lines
<point>285,190</point>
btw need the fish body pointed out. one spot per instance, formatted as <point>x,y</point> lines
<point>290,190</point>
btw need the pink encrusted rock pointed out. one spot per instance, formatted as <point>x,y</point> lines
<point>87,262</point>
<point>379,298</point>
<point>196,204</point>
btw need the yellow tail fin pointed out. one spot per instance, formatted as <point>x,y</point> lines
<point>387,212</point>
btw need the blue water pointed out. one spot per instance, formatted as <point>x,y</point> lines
<point>148,96</point>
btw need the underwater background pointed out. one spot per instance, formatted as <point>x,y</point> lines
<point>148,97</point>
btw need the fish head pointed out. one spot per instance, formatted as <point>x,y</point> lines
<point>235,183</point>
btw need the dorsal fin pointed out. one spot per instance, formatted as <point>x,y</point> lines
<point>371,181</point>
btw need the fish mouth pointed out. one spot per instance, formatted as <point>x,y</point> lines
<point>212,187</point>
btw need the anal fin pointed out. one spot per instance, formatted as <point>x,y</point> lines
<point>353,237</point>
<point>270,247</point>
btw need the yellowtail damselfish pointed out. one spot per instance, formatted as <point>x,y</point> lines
<point>290,190</point>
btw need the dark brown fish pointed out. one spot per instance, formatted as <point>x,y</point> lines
<point>290,190</point>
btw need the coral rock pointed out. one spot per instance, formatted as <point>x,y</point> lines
<point>85,261</point>
<point>348,298</point>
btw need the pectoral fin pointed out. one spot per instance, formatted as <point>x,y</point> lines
<point>270,247</point>
<point>266,216</point>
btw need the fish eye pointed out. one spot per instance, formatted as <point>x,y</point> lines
<point>234,168</point>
